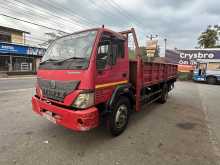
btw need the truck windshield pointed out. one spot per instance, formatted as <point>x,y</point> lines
<point>69,52</point>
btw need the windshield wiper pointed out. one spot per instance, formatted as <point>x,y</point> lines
<point>67,59</point>
<point>48,60</point>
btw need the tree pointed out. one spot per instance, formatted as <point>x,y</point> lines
<point>208,38</point>
<point>143,51</point>
<point>131,54</point>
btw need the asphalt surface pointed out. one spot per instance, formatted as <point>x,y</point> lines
<point>17,83</point>
<point>184,131</point>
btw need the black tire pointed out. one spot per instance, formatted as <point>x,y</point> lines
<point>164,95</point>
<point>118,119</point>
<point>211,80</point>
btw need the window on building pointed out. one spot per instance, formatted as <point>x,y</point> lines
<point>22,64</point>
<point>214,65</point>
<point>4,63</point>
<point>5,38</point>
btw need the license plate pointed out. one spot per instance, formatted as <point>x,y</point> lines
<point>48,116</point>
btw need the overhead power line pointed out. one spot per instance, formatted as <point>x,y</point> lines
<point>107,12</point>
<point>49,10</point>
<point>36,24</point>
<point>45,13</point>
<point>151,36</point>
<point>71,13</point>
<point>127,15</point>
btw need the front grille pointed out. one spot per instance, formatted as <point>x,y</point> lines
<point>57,90</point>
<point>53,94</point>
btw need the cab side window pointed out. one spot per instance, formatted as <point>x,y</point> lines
<point>117,50</point>
<point>109,50</point>
<point>103,54</point>
<point>120,48</point>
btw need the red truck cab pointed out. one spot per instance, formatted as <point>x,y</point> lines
<point>86,75</point>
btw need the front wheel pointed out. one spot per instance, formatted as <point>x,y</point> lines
<point>119,116</point>
<point>211,80</point>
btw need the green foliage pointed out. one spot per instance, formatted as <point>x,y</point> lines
<point>184,76</point>
<point>131,53</point>
<point>208,38</point>
<point>143,53</point>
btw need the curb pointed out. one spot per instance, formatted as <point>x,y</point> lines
<point>17,77</point>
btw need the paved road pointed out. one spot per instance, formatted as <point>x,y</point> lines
<point>210,100</point>
<point>183,131</point>
<point>16,83</point>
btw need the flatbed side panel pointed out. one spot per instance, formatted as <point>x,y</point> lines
<point>153,73</point>
<point>133,72</point>
<point>139,83</point>
<point>171,71</point>
<point>148,74</point>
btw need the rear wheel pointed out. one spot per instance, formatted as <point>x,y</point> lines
<point>119,116</point>
<point>211,80</point>
<point>164,94</point>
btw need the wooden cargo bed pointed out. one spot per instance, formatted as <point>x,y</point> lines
<point>151,73</point>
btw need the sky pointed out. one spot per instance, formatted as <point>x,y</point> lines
<point>180,21</point>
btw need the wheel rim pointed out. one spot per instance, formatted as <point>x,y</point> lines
<point>121,116</point>
<point>211,80</point>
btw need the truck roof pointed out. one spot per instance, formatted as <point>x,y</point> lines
<point>117,34</point>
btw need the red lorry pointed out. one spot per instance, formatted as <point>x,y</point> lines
<point>87,76</point>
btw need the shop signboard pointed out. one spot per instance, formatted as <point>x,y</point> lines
<point>151,48</point>
<point>189,56</point>
<point>7,48</point>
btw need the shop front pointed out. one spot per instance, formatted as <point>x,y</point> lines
<point>186,59</point>
<point>19,58</point>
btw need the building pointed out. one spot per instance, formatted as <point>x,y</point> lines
<point>15,56</point>
<point>186,58</point>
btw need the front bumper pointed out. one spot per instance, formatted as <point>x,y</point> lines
<point>81,120</point>
<point>196,78</point>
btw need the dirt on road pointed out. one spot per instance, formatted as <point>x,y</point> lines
<point>174,133</point>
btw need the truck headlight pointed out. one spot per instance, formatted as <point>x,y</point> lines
<point>84,100</point>
<point>38,91</point>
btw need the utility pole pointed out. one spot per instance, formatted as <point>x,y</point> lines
<point>165,45</point>
<point>151,36</point>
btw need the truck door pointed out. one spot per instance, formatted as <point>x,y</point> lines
<point>111,65</point>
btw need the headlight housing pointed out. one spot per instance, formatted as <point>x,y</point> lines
<point>38,91</point>
<point>84,100</point>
